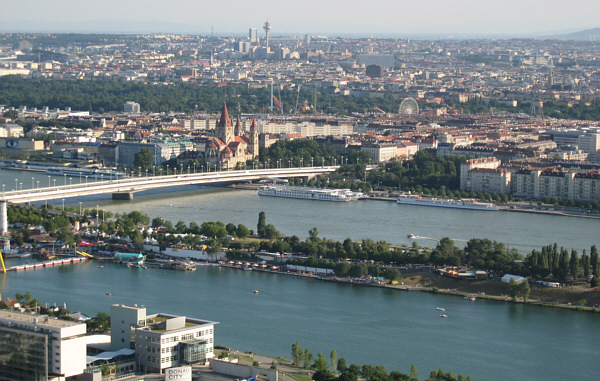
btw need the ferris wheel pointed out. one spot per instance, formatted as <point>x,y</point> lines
<point>409,106</point>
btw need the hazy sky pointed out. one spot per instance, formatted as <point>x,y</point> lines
<point>305,16</point>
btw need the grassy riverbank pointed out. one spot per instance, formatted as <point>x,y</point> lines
<point>565,297</point>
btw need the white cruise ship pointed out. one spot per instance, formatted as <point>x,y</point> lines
<point>446,202</point>
<point>91,173</point>
<point>309,193</point>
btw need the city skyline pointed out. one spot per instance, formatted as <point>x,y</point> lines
<point>378,17</point>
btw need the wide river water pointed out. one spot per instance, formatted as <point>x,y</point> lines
<point>487,340</point>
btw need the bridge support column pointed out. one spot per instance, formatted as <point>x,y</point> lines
<point>4,224</point>
<point>3,217</point>
<point>123,196</point>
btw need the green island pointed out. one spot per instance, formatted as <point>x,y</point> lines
<point>573,277</point>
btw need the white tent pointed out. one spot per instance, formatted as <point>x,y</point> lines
<point>508,277</point>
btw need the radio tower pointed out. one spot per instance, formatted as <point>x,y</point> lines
<point>267,28</point>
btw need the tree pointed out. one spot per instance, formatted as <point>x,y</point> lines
<point>354,369</point>
<point>297,354</point>
<point>594,263</point>
<point>11,114</point>
<point>513,289</point>
<point>261,226</point>
<point>334,360</point>
<point>524,290</point>
<point>414,375</point>
<point>321,363</point>
<point>144,159</point>
<point>313,234</point>
<point>341,365</point>
<point>574,265</point>
<point>307,358</point>
<point>585,263</point>
<point>367,371</point>
<point>392,273</point>
<point>242,231</point>
<point>137,239</point>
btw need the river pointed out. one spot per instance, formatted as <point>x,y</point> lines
<point>484,339</point>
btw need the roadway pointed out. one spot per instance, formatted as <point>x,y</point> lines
<point>125,188</point>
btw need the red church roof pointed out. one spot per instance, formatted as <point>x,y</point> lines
<point>224,121</point>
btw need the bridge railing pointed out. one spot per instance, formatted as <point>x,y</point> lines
<point>144,180</point>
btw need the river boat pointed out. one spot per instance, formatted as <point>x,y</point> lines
<point>93,173</point>
<point>446,202</point>
<point>306,193</point>
<point>471,298</point>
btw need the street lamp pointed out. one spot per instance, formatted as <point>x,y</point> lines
<point>54,182</point>
<point>48,181</point>
<point>38,184</point>
<point>63,204</point>
<point>16,185</point>
<point>80,214</point>
<point>311,161</point>
<point>32,183</point>
<point>65,176</point>
<point>86,181</point>
<point>153,170</point>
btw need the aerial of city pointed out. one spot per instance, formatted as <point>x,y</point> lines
<point>356,203</point>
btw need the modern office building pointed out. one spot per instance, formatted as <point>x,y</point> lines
<point>162,340</point>
<point>131,108</point>
<point>39,347</point>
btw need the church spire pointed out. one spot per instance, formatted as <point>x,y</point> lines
<point>238,128</point>
<point>224,121</point>
<point>224,128</point>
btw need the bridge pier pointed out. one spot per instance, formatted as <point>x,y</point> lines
<point>3,217</point>
<point>128,196</point>
<point>4,225</point>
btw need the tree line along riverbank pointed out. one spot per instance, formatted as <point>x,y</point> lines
<point>347,259</point>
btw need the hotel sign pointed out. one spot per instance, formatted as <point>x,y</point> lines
<point>183,373</point>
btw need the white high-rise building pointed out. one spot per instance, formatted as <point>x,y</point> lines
<point>39,347</point>
<point>131,108</point>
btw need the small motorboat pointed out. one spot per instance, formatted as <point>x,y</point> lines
<point>100,267</point>
<point>443,316</point>
<point>255,291</point>
<point>440,309</point>
<point>108,293</point>
<point>412,236</point>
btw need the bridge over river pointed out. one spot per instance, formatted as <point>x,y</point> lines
<point>124,189</point>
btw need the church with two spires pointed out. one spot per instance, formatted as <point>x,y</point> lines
<point>231,145</point>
